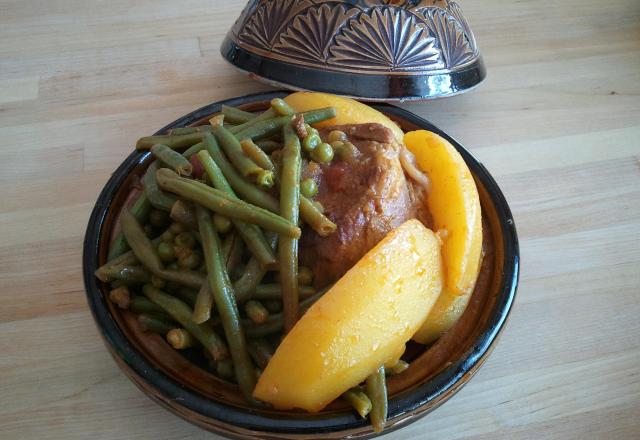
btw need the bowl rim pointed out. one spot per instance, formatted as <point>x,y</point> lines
<point>418,400</point>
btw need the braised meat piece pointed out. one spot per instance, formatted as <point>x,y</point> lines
<point>366,195</point>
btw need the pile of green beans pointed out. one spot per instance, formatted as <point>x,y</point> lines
<point>207,255</point>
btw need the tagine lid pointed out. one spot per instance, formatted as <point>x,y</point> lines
<point>371,50</point>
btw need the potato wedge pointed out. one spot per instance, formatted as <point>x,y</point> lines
<point>348,110</point>
<point>455,206</point>
<point>361,323</point>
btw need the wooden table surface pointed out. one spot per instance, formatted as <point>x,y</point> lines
<point>557,122</point>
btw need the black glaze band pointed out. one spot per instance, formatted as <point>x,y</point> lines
<point>363,87</point>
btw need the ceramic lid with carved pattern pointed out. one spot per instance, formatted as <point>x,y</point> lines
<point>392,50</point>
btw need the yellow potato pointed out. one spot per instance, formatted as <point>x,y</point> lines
<point>455,207</point>
<point>348,110</point>
<point>361,323</point>
<point>445,312</point>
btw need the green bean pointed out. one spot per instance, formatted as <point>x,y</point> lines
<point>253,274</point>
<point>315,218</point>
<point>289,209</point>
<point>398,368</point>
<point>158,282</point>
<point>377,393</point>
<point>189,130</point>
<point>140,210</point>
<point>274,291</point>
<point>187,278</point>
<point>204,301</point>
<point>180,339</point>
<point>237,116</point>
<point>358,400</point>
<point>174,142</point>
<point>140,305</point>
<point>256,312</point>
<point>133,274</point>
<point>148,230</point>
<point>224,298</point>
<point>105,272</point>
<point>265,179</point>
<point>231,251</point>
<point>310,214</point>
<point>155,324</point>
<point>233,150</point>
<point>268,114</point>
<point>225,204</point>
<point>182,313</point>
<point>275,322</point>
<point>268,146</point>
<point>254,152</point>
<point>156,196</point>
<point>121,297</point>
<point>273,305</point>
<point>188,295</point>
<point>271,126</point>
<point>260,351</point>
<point>281,107</point>
<point>246,190</point>
<point>183,213</point>
<point>172,159</point>
<point>193,150</point>
<point>141,245</point>
<point>251,234</point>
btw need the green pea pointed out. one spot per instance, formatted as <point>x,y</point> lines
<point>166,252</point>
<point>323,153</point>
<point>168,236</point>
<point>308,187</point>
<point>158,218</point>
<point>177,228</point>
<point>346,151</point>
<point>273,305</point>
<point>190,261</point>
<point>221,223</point>
<point>225,370</point>
<point>305,276</point>
<point>337,135</point>
<point>185,239</point>
<point>311,142</point>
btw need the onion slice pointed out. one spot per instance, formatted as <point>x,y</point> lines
<point>409,165</point>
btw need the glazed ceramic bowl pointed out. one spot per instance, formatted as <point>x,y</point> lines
<point>187,389</point>
<point>382,50</point>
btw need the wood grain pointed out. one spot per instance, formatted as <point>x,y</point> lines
<point>557,122</point>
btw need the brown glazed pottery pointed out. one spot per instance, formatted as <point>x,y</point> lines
<point>186,388</point>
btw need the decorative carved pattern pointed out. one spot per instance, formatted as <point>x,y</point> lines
<point>310,35</point>
<point>264,26</point>
<point>402,37</point>
<point>388,39</point>
<point>454,47</point>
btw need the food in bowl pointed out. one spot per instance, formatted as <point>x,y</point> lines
<point>263,213</point>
